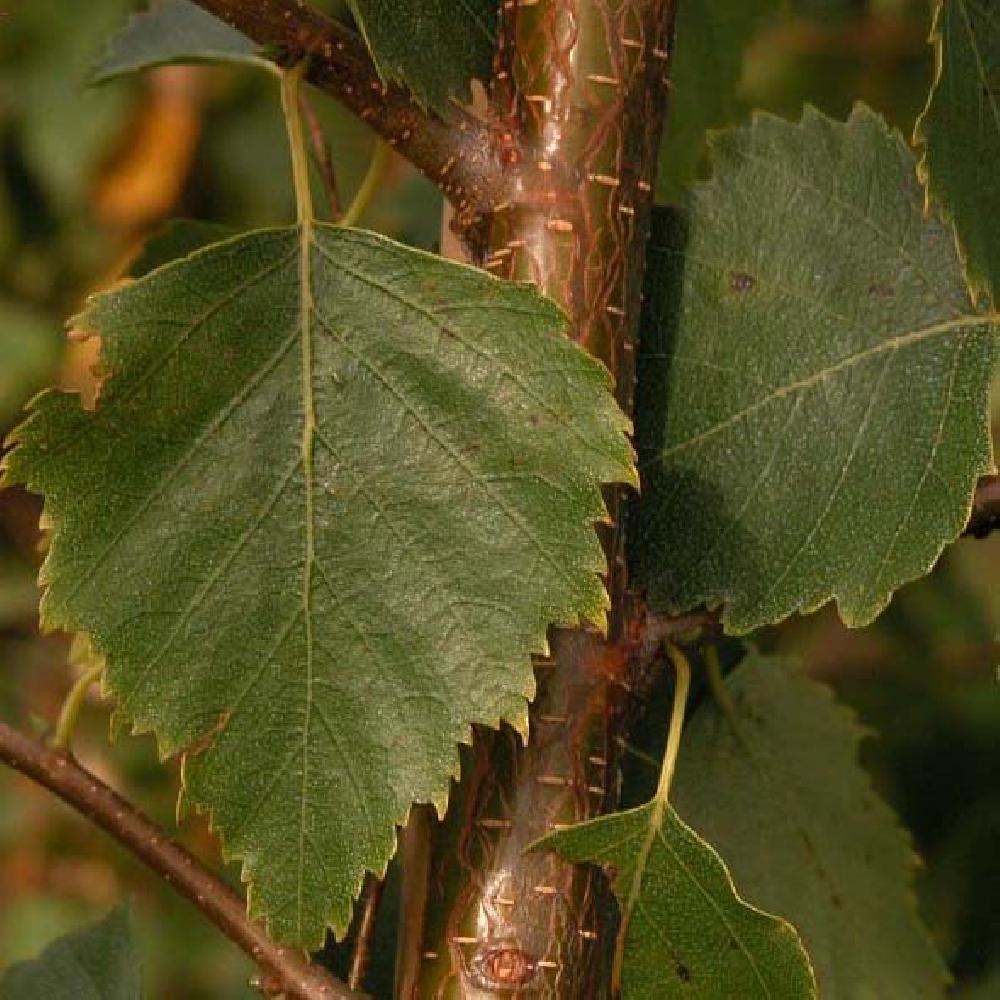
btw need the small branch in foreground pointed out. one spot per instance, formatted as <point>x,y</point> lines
<point>457,151</point>
<point>287,969</point>
<point>323,158</point>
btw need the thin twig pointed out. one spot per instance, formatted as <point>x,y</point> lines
<point>70,712</point>
<point>457,150</point>
<point>369,186</point>
<point>322,157</point>
<point>286,968</point>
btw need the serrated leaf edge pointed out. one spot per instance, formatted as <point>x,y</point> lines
<point>597,616</point>
<point>96,77</point>
<point>856,732</point>
<point>719,149</point>
<point>979,285</point>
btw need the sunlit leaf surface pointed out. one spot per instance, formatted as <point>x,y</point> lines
<point>333,493</point>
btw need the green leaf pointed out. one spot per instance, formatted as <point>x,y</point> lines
<point>324,512</point>
<point>174,31</point>
<point>960,130</point>
<point>97,962</point>
<point>711,38</point>
<point>814,381</point>
<point>436,47</point>
<point>783,797</point>
<point>688,934</point>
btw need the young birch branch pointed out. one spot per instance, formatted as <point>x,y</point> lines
<point>286,971</point>
<point>457,150</point>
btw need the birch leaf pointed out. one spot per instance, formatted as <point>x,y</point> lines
<point>778,789</point>
<point>688,935</point>
<point>97,962</point>
<point>960,132</point>
<point>174,31</point>
<point>813,404</point>
<point>437,47</point>
<point>332,495</point>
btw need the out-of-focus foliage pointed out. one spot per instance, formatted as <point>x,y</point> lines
<point>29,350</point>
<point>97,961</point>
<point>829,53</point>
<point>63,133</point>
<point>712,36</point>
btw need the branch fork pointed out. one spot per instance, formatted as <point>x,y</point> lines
<point>465,156</point>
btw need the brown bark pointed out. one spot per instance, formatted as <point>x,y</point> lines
<point>581,89</point>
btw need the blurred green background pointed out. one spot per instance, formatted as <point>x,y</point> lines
<point>86,175</point>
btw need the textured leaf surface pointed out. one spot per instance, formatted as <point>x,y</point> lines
<point>814,381</point>
<point>960,129</point>
<point>97,962</point>
<point>437,47</point>
<point>325,509</point>
<point>712,36</point>
<point>174,31</point>
<point>784,799</point>
<point>690,935</point>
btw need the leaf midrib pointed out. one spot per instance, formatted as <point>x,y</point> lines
<point>715,907</point>
<point>653,833</point>
<point>897,342</point>
<point>307,309</point>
